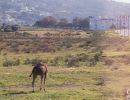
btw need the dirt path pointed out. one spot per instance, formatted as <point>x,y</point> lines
<point>29,86</point>
<point>13,87</point>
<point>118,82</point>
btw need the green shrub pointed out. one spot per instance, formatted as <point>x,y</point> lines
<point>100,81</point>
<point>16,62</point>
<point>57,61</point>
<point>8,29</point>
<point>27,61</point>
<point>26,34</point>
<point>71,61</point>
<point>7,62</point>
<point>82,57</point>
<point>34,61</point>
<point>66,44</point>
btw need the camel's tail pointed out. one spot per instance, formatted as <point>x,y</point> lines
<point>30,75</point>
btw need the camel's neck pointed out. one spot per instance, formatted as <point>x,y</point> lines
<point>46,67</point>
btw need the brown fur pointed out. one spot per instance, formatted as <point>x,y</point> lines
<point>41,70</point>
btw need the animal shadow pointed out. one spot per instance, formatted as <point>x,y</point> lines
<point>18,93</point>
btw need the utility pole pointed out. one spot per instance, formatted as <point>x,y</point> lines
<point>124,21</point>
<point>120,24</point>
<point>128,25</point>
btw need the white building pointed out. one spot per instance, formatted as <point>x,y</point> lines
<point>101,23</point>
<point>121,22</point>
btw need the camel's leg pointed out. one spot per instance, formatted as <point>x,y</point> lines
<point>41,82</point>
<point>45,80</point>
<point>34,78</point>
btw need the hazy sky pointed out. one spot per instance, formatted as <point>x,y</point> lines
<point>126,1</point>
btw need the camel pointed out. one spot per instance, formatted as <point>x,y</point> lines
<point>41,70</point>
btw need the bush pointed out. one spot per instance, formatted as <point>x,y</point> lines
<point>16,62</point>
<point>34,61</point>
<point>66,44</point>
<point>82,57</point>
<point>26,34</point>
<point>27,61</point>
<point>100,81</point>
<point>7,62</point>
<point>108,61</point>
<point>71,61</point>
<point>93,59</point>
<point>57,61</point>
<point>26,50</point>
<point>8,29</point>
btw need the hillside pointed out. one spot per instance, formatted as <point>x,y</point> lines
<point>28,11</point>
<point>117,62</point>
<point>70,54</point>
<point>105,77</point>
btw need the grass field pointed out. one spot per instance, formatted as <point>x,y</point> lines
<point>62,84</point>
<point>117,56</point>
<point>108,80</point>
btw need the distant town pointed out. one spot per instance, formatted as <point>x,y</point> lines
<point>120,24</point>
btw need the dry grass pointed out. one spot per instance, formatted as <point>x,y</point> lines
<point>117,83</point>
<point>117,57</point>
<point>116,69</point>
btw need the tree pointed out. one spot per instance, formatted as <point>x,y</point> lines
<point>8,28</point>
<point>48,21</point>
<point>63,22</point>
<point>81,23</point>
<point>14,28</point>
<point>84,23</point>
<point>51,21</point>
<point>76,22</point>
